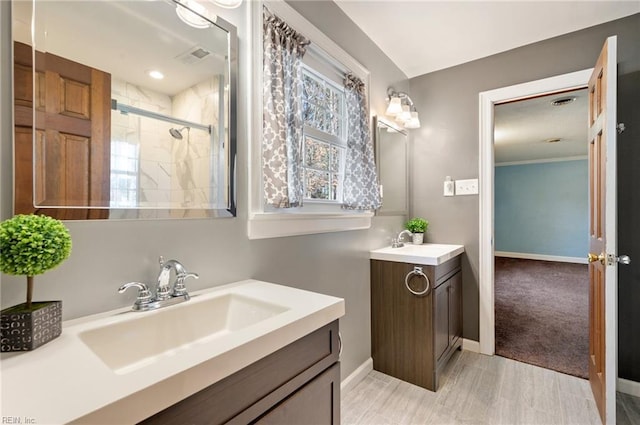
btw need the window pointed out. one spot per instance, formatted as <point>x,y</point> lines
<point>324,141</point>
<point>319,178</point>
<point>124,174</point>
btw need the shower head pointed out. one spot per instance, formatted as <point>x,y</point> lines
<point>177,134</point>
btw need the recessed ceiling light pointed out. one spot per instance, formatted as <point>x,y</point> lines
<point>155,74</point>
<point>563,101</point>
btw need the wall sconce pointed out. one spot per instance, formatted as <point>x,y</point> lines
<point>402,109</point>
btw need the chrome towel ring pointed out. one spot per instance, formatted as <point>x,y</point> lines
<point>417,271</point>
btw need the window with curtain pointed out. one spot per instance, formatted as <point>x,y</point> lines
<point>316,141</point>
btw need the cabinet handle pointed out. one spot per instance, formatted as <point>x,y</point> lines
<point>339,344</point>
<point>417,271</point>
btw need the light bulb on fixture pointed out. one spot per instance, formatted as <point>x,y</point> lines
<point>395,107</point>
<point>227,4</point>
<point>405,115</point>
<point>414,122</point>
<point>191,13</point>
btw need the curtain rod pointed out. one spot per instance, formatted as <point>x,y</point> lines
<point>127,109</point>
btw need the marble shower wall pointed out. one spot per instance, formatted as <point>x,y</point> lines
<point>155,168</point>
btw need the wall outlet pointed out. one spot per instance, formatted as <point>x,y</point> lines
<point>467,187</point>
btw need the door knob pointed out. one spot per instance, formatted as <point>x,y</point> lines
<point>594,257</point>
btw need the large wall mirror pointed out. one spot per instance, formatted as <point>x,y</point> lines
<point>392,150</point>
<point>124,109</point>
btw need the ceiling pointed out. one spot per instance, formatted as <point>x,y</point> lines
<point>126,39</point>
<point>534,129</point>
<point>422,36</point>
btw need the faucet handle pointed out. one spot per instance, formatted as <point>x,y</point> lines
<point>179,288</point>
<point>144,295</point>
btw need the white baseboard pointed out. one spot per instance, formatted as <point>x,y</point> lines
<point>470,345</point>
<point>629,387</point>
<point>527,256</point>
<point>356,376</point>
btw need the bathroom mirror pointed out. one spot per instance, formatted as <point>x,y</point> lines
<point>133,105</point>
<point>392,152</point>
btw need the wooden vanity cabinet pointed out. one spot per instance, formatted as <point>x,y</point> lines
<point>297,384</point>
<point>413,336</point>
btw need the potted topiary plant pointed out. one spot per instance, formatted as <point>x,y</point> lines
<point>30,245</point>
<point>417,226</point>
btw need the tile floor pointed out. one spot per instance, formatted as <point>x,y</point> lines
<point>475,389</point>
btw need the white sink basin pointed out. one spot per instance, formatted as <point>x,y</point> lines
<point>429,254</point>
<point>148,336</point>
<point>138,363</point>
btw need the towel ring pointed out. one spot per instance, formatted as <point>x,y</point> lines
<point>417,271</point>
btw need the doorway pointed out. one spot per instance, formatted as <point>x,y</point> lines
<point>488,99</point>
<point>541,231</point>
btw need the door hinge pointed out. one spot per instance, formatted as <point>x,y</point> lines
<point>621,128</point>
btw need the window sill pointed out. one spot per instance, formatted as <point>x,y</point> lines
<point>275,225</point>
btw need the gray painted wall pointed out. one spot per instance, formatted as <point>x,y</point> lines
<point>629,226</point>
<point>109,253</point>
<point>447,144</point>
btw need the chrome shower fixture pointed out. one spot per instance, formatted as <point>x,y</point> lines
<point>177,134</point>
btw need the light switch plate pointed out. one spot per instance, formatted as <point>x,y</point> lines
<point>449,188</point>
<point>467,187</point>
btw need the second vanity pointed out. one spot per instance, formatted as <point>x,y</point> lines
<point>416,310</point>
<point>246,352</point>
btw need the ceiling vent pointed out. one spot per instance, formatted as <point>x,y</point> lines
<point>193,55</point>
<point>563,101</point>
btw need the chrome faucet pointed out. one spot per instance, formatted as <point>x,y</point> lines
<point>164,296</point>
<point>179,289</point>
<point>397,241</point>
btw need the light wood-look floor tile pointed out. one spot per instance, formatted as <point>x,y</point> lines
<point>475,389</point>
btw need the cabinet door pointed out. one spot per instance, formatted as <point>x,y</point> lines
<point>317,403</point>
<point>441,326</point>
<point>455,308</point>
<point>401,323</point>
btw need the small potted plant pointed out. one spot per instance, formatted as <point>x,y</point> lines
<point>417,226</point>
<point>30,245</point>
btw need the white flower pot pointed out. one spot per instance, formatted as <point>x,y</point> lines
<point>418,238</point>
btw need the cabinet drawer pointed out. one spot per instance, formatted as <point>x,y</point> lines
<point>317,403</point>
<point>248,393</point>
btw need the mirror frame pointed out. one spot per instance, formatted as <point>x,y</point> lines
<point>377,122</point>
<point>230,210</point>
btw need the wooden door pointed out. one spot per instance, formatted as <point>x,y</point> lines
<point>602,232</point>
<point>70,154</point>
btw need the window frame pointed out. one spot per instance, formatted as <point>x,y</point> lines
<point>339,141</point>
<point>314,217</point>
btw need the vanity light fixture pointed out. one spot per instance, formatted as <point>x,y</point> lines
<point>401,107</point>
<point>191,13</point>
<point>227,4</point>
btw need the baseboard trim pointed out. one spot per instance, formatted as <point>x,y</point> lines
<point>470,345</point>
<point>356,376</point>
<point>629,387</point>
<point>541,257</point>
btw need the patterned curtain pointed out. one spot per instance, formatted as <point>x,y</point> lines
<point>282,121</point>
<point>361,178</point>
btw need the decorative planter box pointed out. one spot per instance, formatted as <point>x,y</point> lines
<point>23,329</point>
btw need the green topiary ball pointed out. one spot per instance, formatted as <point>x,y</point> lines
<point>32,244</point>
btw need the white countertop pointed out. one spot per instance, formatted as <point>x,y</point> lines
<point>64,381</point>
<point>428,254</point>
